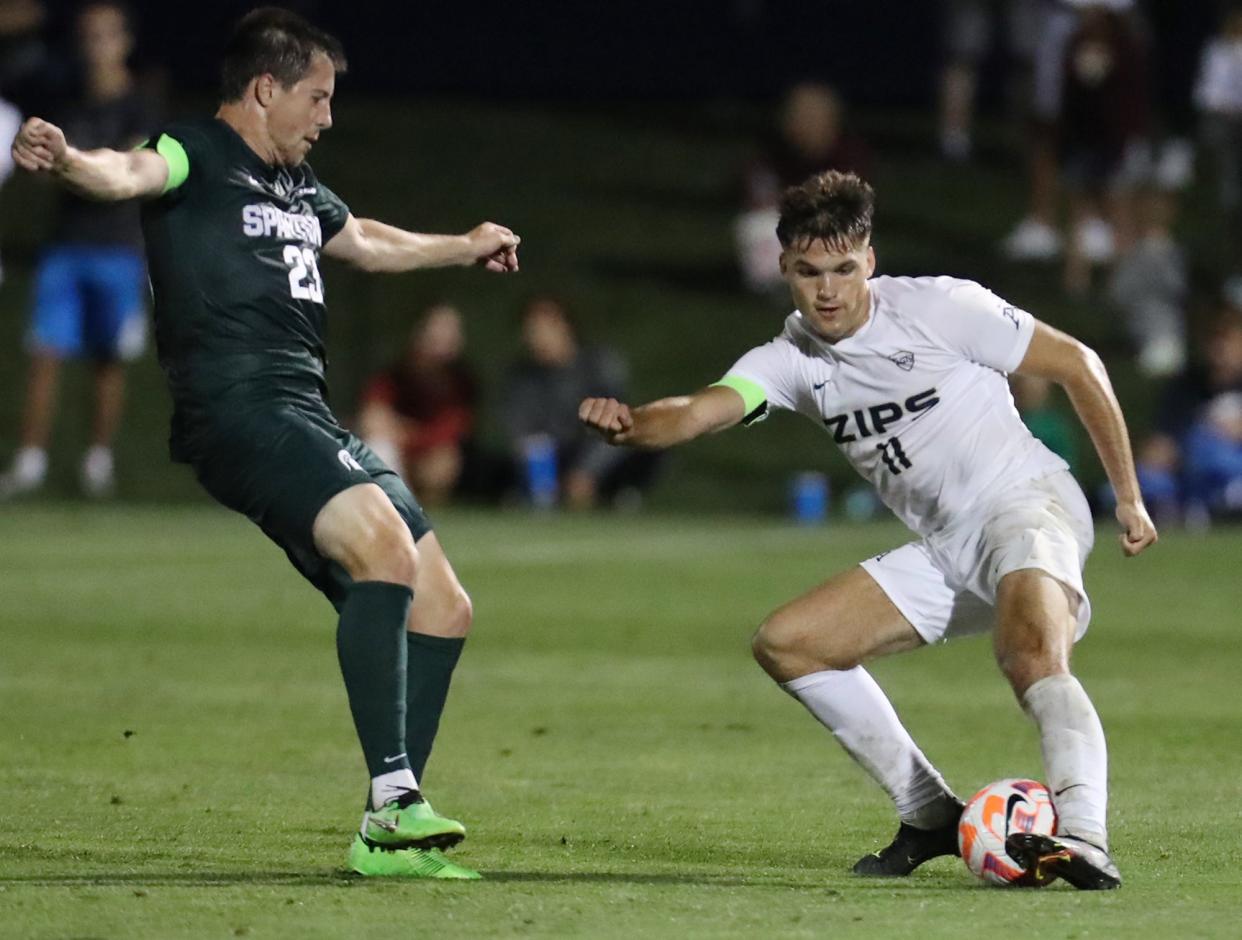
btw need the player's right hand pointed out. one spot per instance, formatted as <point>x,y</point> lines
<point>494,247</point>
<point>39,146</point>
<point>1138,529</point>
<point>607,416</point>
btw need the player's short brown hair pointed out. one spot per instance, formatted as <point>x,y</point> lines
<point>831,207</point>
<point>276,42</point>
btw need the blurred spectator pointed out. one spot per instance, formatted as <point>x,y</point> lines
<point>1036,238</point>
<point>10,121</point>
<point>1193,462</point>
<point>23,53</point>
<point>971,33</point>
<point>21,56</point>
<point>1149,286</point>
<point>810,137</point>
<point>556,455</point>
<point>1090,104</point>
<point>91,285</point>
<point>1178,32</point>
<point>1103,133</point>
<point>419,413</point>
<point>1218,95</point>
<point>1033,398</point>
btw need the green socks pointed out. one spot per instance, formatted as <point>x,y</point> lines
<point>372,650</point>
<point>397,682</point>
<point>431,661</point>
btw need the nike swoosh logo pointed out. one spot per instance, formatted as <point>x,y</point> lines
<point>1014,800</point>
<point>384,824</point>
<point>1070,787</point>
<point>818,385</point>
<point>393,760</point>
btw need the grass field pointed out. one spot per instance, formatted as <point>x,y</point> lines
<point>177,759</point>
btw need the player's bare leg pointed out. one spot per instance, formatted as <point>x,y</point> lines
<point>1037,622</point>
<point>814,647</point>
<point>29,468</point>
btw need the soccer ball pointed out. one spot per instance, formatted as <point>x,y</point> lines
<point>995,811</point>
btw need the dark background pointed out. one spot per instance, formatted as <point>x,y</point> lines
<point>880,52</point>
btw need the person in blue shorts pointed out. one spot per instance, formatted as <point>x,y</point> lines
<point>90,290</point>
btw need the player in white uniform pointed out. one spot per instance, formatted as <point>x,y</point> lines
<point>908,376</point>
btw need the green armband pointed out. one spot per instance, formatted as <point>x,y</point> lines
<point>754,398</point>
<point>178,162</point>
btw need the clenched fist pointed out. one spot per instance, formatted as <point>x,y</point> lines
<point>611,418</point>
<point>494,247</point>
<point>39,146</point>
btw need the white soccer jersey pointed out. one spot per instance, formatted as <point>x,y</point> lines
<point>917,399</point>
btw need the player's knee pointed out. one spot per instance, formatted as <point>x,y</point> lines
<point>392,556</point>
<point>1026,653</point>
<point>772,645</point>
<point>783,649</point>
<point>764,650</point>
<point>460,614</point>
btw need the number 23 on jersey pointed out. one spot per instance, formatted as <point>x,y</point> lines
<point>304,280</point>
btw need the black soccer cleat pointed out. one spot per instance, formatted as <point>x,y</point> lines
<point>1085,866</point>
<point>909,849</point>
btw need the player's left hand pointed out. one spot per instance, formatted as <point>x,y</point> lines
<point>1138,531</point>
<point>608,417</point>
<point>494,247</point>
<point>39,146</point>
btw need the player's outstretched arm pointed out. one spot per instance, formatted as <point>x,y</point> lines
<point>665,422</point>
<point>1076,368</point>
<point>374,246</point>
<point>107,175</point>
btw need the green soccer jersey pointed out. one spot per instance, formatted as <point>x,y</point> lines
<point>233,248</point>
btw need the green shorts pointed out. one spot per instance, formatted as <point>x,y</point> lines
<point>279,465</point>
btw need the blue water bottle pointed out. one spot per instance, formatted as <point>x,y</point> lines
<point>539,452</point>
<point>808,498</point>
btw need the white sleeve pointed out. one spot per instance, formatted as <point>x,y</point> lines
<point>969,319</point>
<point>10,124</point>
<point>765,378</point>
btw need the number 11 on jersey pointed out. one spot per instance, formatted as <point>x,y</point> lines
<point>893,456</point>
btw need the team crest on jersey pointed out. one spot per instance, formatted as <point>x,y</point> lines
<point>902,359</point>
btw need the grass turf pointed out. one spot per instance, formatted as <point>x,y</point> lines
<point>177,758</point>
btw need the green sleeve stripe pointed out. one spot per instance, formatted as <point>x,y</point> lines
<point>178,162</point>
<point>753,395</point>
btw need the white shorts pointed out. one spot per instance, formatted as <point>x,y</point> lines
<point>945,585</point>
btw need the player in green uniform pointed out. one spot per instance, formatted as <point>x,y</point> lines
<point>235,223</point>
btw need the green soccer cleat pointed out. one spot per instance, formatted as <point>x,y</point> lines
<point>409,822</point>
<point>367,858</point>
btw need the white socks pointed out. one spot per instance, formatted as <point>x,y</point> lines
<point>391,785</point>
<point>30,467</point>
<point>98,472</point>
<point>1075,755</point>
<point>853,707</point>
<point>29,472</point>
